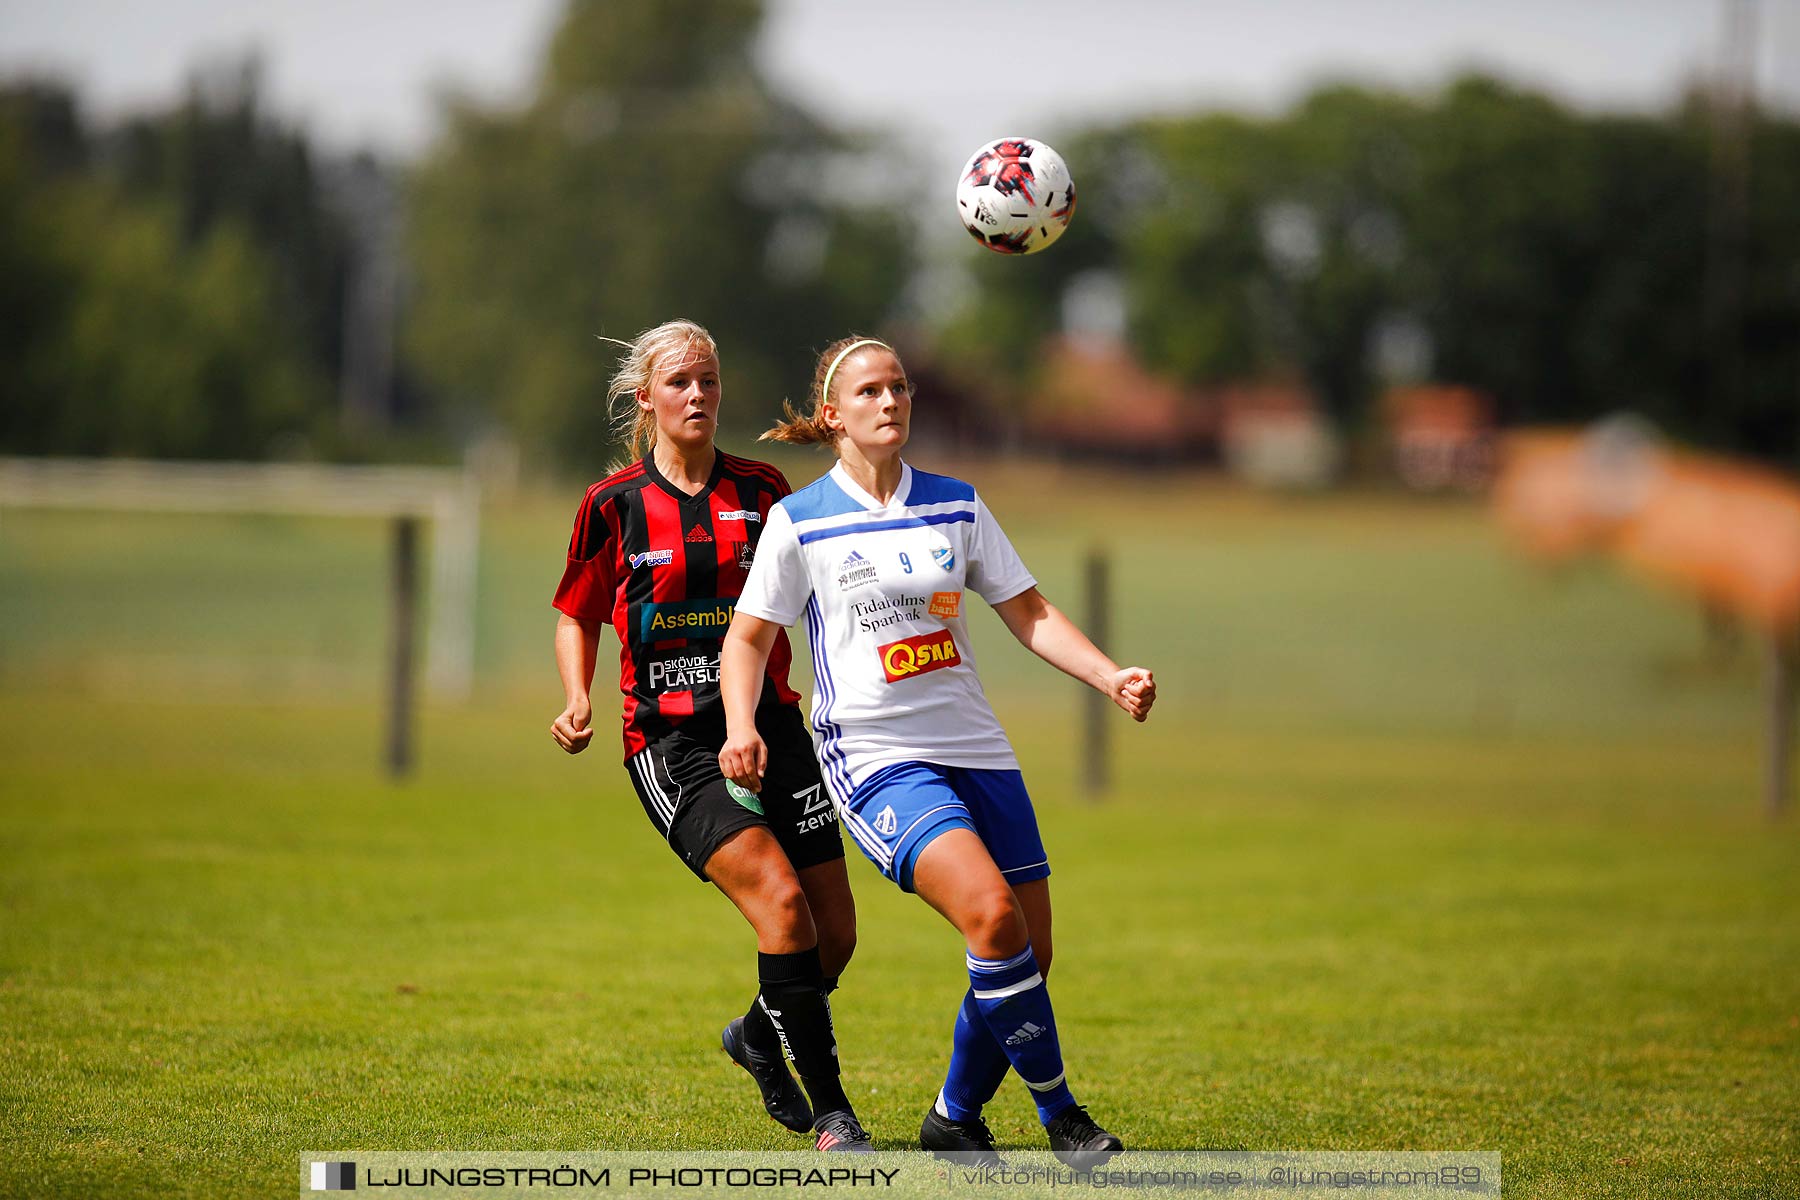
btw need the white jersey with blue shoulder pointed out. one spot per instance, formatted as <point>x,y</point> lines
<point>882,587</point>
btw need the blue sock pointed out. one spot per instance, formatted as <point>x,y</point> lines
<point>977,1065</point>
<point>1014,1003</point>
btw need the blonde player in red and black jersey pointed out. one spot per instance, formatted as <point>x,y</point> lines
<point>660,552</point>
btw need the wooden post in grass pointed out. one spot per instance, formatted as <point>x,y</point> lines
<point>1096,769</point>
<point>448,498</point>
<point>1779,677</point>
<point>400,689</point>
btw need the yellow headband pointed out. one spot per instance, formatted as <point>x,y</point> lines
<point>825,392</point>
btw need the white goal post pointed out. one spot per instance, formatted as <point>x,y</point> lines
<point>447,497</point>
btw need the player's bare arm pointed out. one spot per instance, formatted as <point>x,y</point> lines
<point>742,658</point>
<point>577,647</point>
<point>1042,629</point>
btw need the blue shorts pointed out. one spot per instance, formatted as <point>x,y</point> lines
<point>896,812</point>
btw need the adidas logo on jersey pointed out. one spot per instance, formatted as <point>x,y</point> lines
<point>698,534</point>
<point>886,823</point>
<point>1025,1033</point>
<point>854,572</point>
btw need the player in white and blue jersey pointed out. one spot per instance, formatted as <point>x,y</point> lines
<point>880,558</point>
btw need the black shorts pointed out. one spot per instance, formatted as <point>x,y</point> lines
<point>695,809</point>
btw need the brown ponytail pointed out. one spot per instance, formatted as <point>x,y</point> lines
<point>812,430</point>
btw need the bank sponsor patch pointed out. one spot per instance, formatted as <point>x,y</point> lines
<point>918,655</point>
<point>652,558</point>
<point>946,604</point>
<point>872,616</point>
<point>685,619</point>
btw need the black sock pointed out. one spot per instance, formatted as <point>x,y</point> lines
<point>759,1034</point>
<point>793,999</point>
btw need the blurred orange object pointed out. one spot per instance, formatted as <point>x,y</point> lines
<point>1726,532</point>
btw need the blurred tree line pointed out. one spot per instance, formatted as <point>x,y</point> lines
<point>202,282</point>
<point>168,286</point>
<point>654,174</point>
<point>1567,264</point>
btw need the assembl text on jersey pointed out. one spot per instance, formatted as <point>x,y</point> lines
<point>662,619</point>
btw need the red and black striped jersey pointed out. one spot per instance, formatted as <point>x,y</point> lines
<point>665,569</point>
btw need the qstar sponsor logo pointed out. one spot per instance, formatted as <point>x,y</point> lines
<point>946,604</point>
<point>917,655</point>
<point>683,672</point>
<point>854,572</point>
<point>652,558</point>
<point>738,514</point>
<point>883,611</point>
<point>688,619</point>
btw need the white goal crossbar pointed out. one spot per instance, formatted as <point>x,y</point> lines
<point>447,497</point>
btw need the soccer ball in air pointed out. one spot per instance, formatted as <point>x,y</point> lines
<point>1015,196</point>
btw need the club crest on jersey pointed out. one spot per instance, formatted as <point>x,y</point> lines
<point>854,572</point>
<point>746,554</point>
<point>944,557</point>
<point>917,655</point>
<point>886,822</point>
<point>652,558</point>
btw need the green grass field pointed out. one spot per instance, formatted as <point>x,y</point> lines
<point>1420,851</point>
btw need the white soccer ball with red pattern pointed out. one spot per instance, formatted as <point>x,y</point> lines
<point>1015,196</point>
